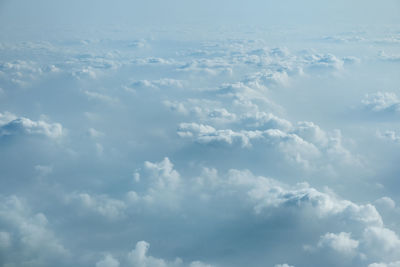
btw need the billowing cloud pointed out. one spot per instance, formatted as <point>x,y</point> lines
<point>341,242</point>
<point>382,102</point>
<point>26,238</point>
<point>13,125</point>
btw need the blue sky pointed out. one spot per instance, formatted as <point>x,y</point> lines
<point>199,134</point>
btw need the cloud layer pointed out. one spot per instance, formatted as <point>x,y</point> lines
<point>183,147</point>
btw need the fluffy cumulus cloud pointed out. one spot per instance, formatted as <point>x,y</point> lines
<point>382,102</point>
<point>341,242</point>
<point>138,257</point>
<point>302,143</point>
<point>10,124</point>
<point>27,239</point>
<point>198,145</point>
<point>162,185</point>
<point>21,73</point>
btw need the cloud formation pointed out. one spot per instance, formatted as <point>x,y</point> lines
<point>221,146</point>
<point>13,125</point>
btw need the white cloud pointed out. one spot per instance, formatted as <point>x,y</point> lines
<point>390,57</point>
<point>166,82</point>
<point>391,264</point>
<point>209,66</point>
<point>108,261</point>
<point>29,232</point>
<point>381,241</point>
<point>341,243</point>
<point>101,97</point>
<point>323,61</point>
<point>13,125</point>
<point>19,72</point>
<point>268,78</point>
<point>390,135</point>
<point>206,134</point>
<point>267,193</point>
<point>139,258</point>
<point>6,117</point>
<point>85,73</point>
<point>299,144</point>
<point>95,133</point>
<point>199,264</point>
<point>101,204</point>
<point>382,102</point>
<point>263,120</point>
<point>163,174</point>
<point>243,105</point>
<point>154,61</point>
<point>386,202</point>
<point>243,92</point>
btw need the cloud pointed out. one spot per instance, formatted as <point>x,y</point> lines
<point>138,257</point>
<point>93,133</point>
<point>381,102</point>
<point>205,134</point>
<point>157,61</point>
<point>343,39</point>
<point>161,83</point>
<point>269,196</point>
<point>101,204</point>
<point>341,243</point>
<point>13,125</point>
<point>27,239</point>
<point>391,264</point>
<point>108,261</point>
<point>390,57</point>
<point>268,78</point>
<point>209,66</point>
<point>242,92</point>
<point>224,147</point>
<point>268,193</point>
<point>381,241</point>
<point>386,202</point>
<point>163,184</point>
<point>163,174</point>
<point>323,61</point>
<point>85,73</point>
<point>300,144</point>
<point>390,135</point>
<point>21,73</point>
<point>102,97</point>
